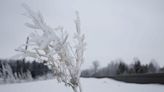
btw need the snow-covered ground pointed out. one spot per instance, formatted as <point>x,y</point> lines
<point>89,85</point>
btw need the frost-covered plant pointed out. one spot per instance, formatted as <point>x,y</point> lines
<point>52,45</point>
<point>7,72</point>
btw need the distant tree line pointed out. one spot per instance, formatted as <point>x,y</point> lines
<point>119,67</point>
<point>12,70</point>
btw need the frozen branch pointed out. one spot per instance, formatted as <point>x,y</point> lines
<point>64,59</point>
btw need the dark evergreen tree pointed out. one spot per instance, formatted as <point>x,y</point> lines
<point>122,68</point>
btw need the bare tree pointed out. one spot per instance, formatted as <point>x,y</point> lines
<point>95,66</point>
<point>52,45</point>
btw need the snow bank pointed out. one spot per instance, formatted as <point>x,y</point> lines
<point>89,85</point>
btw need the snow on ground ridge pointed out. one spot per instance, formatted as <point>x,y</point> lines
<point>88,85</point>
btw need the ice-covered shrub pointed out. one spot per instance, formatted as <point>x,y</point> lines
<point>52,45</point>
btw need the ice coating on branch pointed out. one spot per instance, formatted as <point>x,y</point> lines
<point>53,46</point>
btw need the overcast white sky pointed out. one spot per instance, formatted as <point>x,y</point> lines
<point>114,28</point>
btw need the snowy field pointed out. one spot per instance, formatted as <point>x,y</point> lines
<point>89,85</point>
